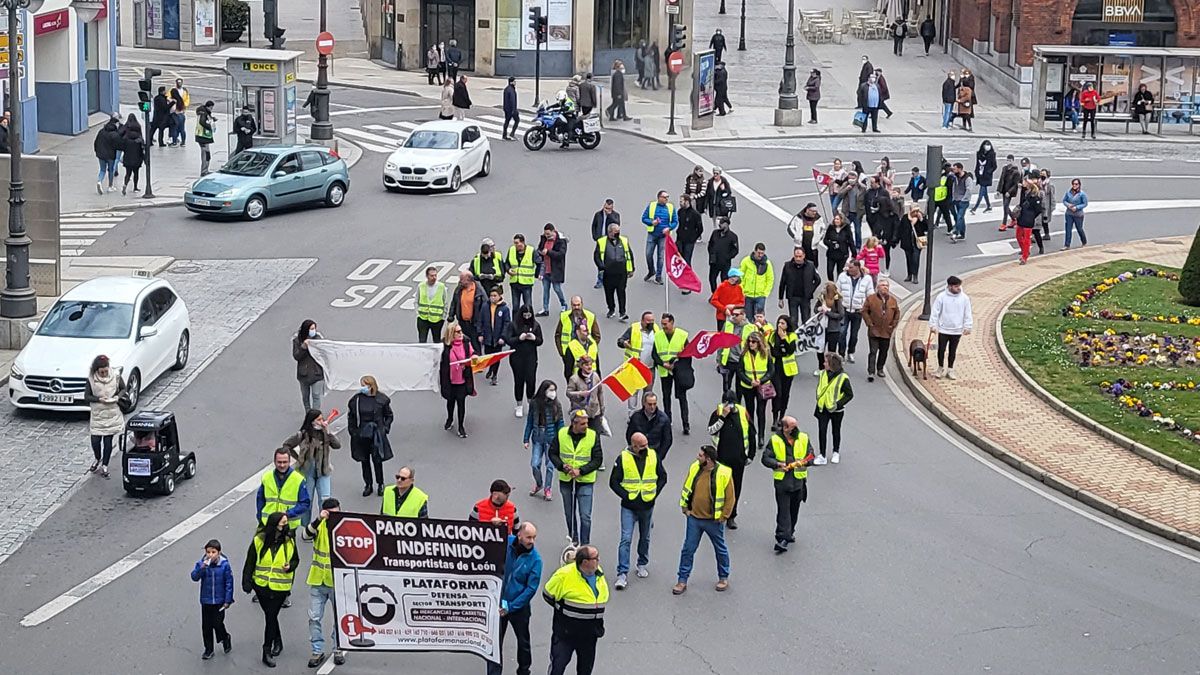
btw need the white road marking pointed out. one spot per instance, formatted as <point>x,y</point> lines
<point>76,242</point>
<point>373,142</point>
<point>70,252</point>
<point>327,667</point>
<point>390,108</point>
<point>83,233</point>
<point>145,552</point>
<point>387,130</point>
<point>1128,176</point>
<point>491,130</point>
<point>1142,159</point>
<point>795,196</point>
<point>988,461</point>
<point>737,170</point>
<point>780,167</point>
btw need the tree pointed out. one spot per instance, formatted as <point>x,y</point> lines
<point>1189,278</point>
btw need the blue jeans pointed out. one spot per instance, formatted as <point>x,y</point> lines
<point>983,197</point>
<point>546,286</point>
<point>691,541</point>
<point>960,217</point>
<point>318,491</point>
<point>311,395</point>
<point>754,306</point>
<point>317,597</point>
<point>834,200</point>
<point>540,461</point>
<point>947,114</point>
<point>177,133</point>
<point>643,520</point>
<point>856,223</point>
<point>848,338</point>
<point>577,507</point>
<point>521,296</point>
<point>109,167</point>
<point>654,261</point>
<point>1074,116</point>
<point>1075,221</point>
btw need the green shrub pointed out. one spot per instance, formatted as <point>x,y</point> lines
<point>234,15</point>
<point>1189,277</point>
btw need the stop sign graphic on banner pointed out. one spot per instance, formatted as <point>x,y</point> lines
<point>354,542</point>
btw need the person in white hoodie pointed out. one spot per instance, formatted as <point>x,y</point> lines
<point>854,286</point>
<point>951,319</point>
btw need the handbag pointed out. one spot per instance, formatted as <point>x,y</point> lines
<point>766,391</point>
<point>922,241</point>
<point>860,119</point>
<point>729,204</point>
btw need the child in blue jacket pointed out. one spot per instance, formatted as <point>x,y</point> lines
<point>216,594</point>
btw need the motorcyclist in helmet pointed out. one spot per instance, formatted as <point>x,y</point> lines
<point>567,117</point>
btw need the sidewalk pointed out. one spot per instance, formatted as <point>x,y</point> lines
<point>995,409</point>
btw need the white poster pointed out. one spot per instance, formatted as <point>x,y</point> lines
<point>205,32</point>
<point>154,19</point>
<point>397,367</point>
<point>559,15</point>
<point>508,34</point>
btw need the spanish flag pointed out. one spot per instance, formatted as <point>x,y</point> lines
<point>628,378</point>
<point>482,363</point>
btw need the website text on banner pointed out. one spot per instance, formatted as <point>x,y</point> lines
<point>406,584</point>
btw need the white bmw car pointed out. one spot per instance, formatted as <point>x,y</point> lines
<point>141,324</point>
<point>439,156</point>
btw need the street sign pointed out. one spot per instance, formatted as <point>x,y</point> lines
<point>4,40</point>
<point>20,56</point>
<point>354,542</point>
<point>325,43</point>
<point>672,9</point>
<point>675,63</point>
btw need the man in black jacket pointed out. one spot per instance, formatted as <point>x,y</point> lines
<point>245,126</point>
<point>1010,182</point>
<point>866,71</point>
<point>454,57</point>
<point>717,44</point>
<point>733,430</point>
<point>722,249</point>
<point>798,283</point>
<point>4,147</point>
<point>691,228</point>
<point>949,98</point>
<point>552,266</point>
<point>160,117</point>
<point>606,216</point>
<point>652,422</point>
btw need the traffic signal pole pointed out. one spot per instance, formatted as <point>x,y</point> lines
<point>540,25</point>
<point>322,127</point>
<point>145,92</point>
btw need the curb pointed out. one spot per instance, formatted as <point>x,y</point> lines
<point>1015,461</point>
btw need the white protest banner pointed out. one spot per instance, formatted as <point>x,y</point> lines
<point>397,367</point>
<point>408,584</point>
<point>811,336</point>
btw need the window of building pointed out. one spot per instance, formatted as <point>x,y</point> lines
<point>509,25</point>
<point>388,9</point>
<point>621,23</point>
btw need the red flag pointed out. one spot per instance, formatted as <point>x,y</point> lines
<point>680,273</point>
<point>628,378</point>
<point>822,180</point>
<point>707,343</point>
<point>482,363</point>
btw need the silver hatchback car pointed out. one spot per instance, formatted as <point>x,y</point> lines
<point>263,179</point>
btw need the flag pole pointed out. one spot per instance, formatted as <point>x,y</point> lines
<point>480,356</point>
<point>667,286</point>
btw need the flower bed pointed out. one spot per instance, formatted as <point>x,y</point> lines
<point>1110,348</point>
<point>1125,392</point>
<point>1075,309</point>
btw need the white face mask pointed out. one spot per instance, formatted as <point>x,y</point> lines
<point>551,394</point>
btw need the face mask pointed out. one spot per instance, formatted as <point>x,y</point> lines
<point>312,332</point>
<point>316,427</point>
<point>364,390</point>
<point>551,394</point>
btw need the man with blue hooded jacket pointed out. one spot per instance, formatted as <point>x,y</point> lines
<point>660,220</point>
<point>216,595</point>
<point>522,577</point>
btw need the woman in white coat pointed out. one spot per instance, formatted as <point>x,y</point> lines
<point>103,393</point>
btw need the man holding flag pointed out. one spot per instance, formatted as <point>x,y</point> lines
<point>679,270</point>
<point>638,342</point>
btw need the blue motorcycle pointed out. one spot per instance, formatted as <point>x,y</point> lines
<point>588,136</point>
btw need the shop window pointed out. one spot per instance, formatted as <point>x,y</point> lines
<point>620,24</point>
<point>509,24</point>
<point>388,9</point>
<point>1179,88</point>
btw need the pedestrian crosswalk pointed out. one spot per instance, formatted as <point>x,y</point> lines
<point>80,230</point>
<point>388,137</point>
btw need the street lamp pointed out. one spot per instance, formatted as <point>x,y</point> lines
<point>17,299</point>
<point>787,88</point>
<point>933,172</point>
<point>742,30</point>
<point>322,128</point>
<point>722,9</point>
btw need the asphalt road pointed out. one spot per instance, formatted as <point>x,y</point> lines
<point>915,554</point>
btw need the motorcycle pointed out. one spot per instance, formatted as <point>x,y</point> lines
<point>542,129</point>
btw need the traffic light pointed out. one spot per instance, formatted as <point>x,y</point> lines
<point>678,37</point>
<point>146,87</point>
<point>543,30</point>
<point>535,21</point>
<point>271,29</point>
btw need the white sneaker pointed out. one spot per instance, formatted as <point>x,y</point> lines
<point>817,372</point>
<point>642,572</point>
<point>950,374</point>
<point>622,582</point>
<point>850,358</point>
<point>939,373</point>
<point>519,411</point>
<point>835,459</point>
<point>819,461</point>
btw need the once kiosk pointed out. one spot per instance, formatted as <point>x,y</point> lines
<point>265,79</point>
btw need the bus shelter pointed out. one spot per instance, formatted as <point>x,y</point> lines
<point>1171,74</point>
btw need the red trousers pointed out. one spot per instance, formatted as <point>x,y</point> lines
<point>1024,235</point>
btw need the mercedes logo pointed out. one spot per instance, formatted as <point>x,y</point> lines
<point>56,385</point>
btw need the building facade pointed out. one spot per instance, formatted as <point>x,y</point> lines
<point>183,25</point>
<point>996,37</point>
<point>494,35</point>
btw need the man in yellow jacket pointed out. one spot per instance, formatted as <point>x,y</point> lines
<point>578,592</point>
<point>758,278</point>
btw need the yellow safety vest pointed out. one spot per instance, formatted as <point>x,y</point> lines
<point>754,366</point>
<point>746,331</point>
<point>942,190</point>
<point>787,361</point>
<point>432,309</point>
<point>477,261</point>
<point>321,571</point>
<point>570,593</point>
<point>669,347</point>
<point>268,570</point>
<point>829,391</point>
<point>201,132</point>
<point>578,351</point>
<point>411,508</point>
<point>644,486</point>
<point>276,499</point>
<point>756,285</point>
<point>525,268</point>
<point>745,417</point>
<point>780,448</point>
<point>575,456</point>
<point>724,475</point>
<point>634,350</point>
<point>568,328</point>
<point>602,242</point>
<point>651,209</point>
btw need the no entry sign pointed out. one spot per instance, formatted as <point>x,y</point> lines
<point>325,43</point>
<point>675,62</point>
<point>354,542</point>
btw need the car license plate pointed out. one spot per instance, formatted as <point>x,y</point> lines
<point>55,398</point>
<point>201,202</point>
<point>139,466</point>
<point>591,125</point>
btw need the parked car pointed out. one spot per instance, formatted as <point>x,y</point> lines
<point>440,156</point>
<point>141,324</point>
<point>259,180</point>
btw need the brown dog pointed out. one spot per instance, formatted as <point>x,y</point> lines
<point>917,358</point>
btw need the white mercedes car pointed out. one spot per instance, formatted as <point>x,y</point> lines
<point>141,324</point>
<point>439,156</point>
